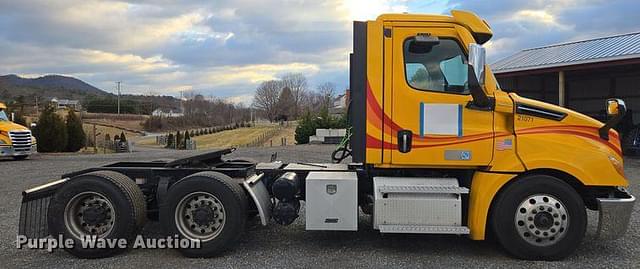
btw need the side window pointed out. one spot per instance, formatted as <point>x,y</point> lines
<point>438,66</point>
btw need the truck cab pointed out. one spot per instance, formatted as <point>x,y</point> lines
<point>15,140</point>
<point>426,105</point>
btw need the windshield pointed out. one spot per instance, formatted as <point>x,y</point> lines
<point>3,116</point>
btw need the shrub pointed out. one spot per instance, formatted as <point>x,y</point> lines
<point>310,122</point>
<point>170,141</point>
<point>186,140</point>
<point>51,132</point>
<point>76,138</point>
<point>179,140</point>
<point>123,138</point>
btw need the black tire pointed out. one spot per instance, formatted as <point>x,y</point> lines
<point>510,218</point>
<point>125,200</point>
<point>20,158</point>
<point>215,187</point>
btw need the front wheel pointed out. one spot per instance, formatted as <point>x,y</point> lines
<point>539,217</point>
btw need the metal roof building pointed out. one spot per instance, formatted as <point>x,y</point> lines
<point>580,75</point>
<point>612,48</point>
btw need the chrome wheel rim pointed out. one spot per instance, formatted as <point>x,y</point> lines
<point>200,216</point>
<point>541,220</point>
<point>89,214</point>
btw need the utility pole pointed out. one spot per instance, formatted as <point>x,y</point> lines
<point>118,83</point>
<point>182,103</point>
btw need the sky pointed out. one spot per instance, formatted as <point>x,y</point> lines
<point>225,48</point>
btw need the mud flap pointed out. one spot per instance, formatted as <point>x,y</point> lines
<point>33,211</point>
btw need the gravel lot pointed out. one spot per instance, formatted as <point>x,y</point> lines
<point>291,246</point>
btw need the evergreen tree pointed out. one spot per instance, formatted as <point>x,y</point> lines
<point>170,141</point>
<point>187,138</point>
<point>51,132</point>
<point>76,138</point>
<point>179,140</point>
<point>123,138</point>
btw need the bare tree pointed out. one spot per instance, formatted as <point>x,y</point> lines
<point>286,105</point>
<point>266,98</point>
<point>327,93</point>
<point>298,84</point>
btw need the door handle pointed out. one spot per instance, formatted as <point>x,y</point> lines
<point>404,140</point>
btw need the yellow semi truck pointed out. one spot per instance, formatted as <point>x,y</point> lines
<point>15,140</point>
<point>436,148</point>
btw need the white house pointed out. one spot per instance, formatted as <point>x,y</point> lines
<point>65,103</point>
<point>340,104</point>
<point>166,113</point>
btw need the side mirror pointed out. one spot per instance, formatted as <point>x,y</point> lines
<point>613,107</point>
<point>478,59</point>
<point>616,108</point>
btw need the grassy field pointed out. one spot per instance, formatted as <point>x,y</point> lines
<point>257,136</point>
<point>233,138</point>
<point>102,130</point>
<point>135,125</point>
<point>288,132</point>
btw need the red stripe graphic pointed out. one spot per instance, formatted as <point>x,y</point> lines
<point>379,119</point>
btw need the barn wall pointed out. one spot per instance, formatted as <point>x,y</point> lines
<point>586,90</point>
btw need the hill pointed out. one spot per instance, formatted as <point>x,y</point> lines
<point>12,86</point>
<point>24,92</point>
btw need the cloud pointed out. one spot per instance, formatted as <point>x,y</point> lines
<point>225,48</point>
<point>525,24</point>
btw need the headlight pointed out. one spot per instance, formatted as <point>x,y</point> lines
<point>617,165</point>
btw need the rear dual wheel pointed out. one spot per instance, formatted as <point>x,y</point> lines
<point>102,205</point>
<point>207,207</point>
<point>539,217</point>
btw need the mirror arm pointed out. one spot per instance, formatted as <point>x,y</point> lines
<point>480,98</point>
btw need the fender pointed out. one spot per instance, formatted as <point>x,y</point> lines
<point>257,189</point>
<point>484,187</point>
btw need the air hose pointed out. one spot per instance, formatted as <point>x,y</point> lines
<point>342,151</point>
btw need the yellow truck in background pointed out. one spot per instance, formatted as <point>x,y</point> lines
<point>15,140</point>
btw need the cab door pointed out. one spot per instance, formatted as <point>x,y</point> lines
<point>432,124</point>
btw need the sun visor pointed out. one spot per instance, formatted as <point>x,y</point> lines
<point>479,28</point>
